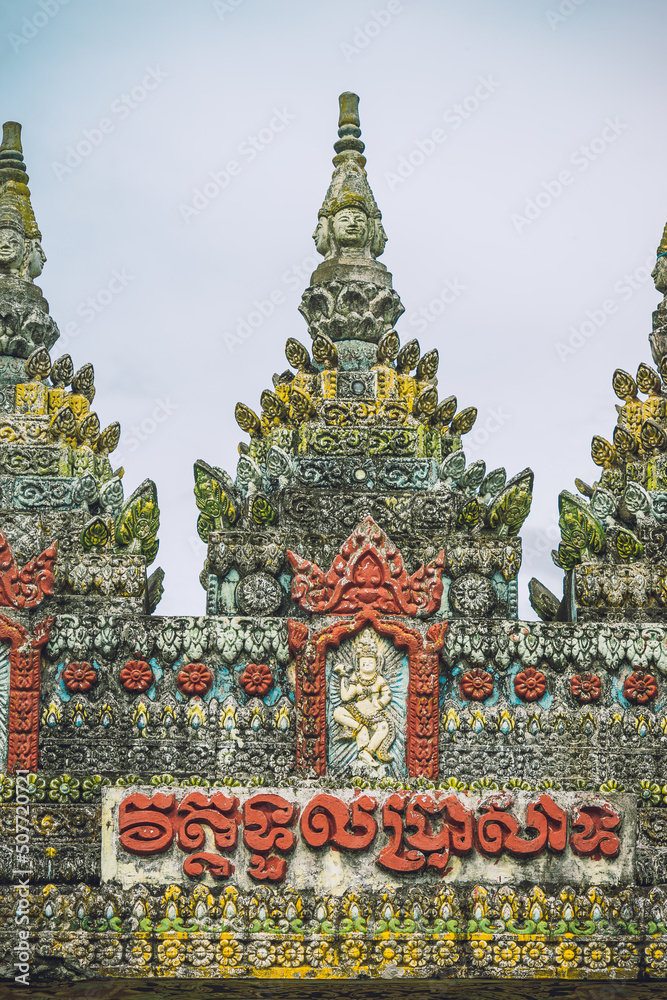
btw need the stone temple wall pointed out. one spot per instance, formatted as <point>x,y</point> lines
<point>358,773</point>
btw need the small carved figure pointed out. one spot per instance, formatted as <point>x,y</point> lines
<point>350,229</point>
<point>659,273</point>
<point>365,695</point>
<point>35,259</point>
<point>12,249</point>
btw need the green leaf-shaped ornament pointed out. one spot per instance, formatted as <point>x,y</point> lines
<point>628,545</point>
<point>579,527</point>
<point>512,506</point>
<point>95,534</point>
<point>215,495</point>
<point>139,521</point>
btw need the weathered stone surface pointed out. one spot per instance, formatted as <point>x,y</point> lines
<point>410,784</point>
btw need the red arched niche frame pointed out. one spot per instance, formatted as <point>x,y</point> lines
<point>310,654</point>
<point>24,688</point>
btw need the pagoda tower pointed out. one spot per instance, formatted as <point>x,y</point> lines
<point>354,446</point>
<point>358,774</point>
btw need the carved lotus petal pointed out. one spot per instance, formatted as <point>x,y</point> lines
<point>351,300</point>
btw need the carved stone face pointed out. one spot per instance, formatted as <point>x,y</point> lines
<point>367,666</point>
<point>321,235</point>
<point>659,274</point>
<point>36,260</point>
<point>12,246</point>
<point>379,239</point>
<point>350,226</point>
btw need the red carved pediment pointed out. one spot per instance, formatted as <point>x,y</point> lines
<point>368,572</point>
<point>25,588</point>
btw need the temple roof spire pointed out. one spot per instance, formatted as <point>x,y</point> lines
<point>24,321</point>
<point>350,298</point>
<point>15,206</point>
<point>349,127</point>
<point>349,232</point>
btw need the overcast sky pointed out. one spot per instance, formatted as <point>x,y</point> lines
<point>179,151</point>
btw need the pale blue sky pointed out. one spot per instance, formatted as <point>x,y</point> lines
<point>181,87</point>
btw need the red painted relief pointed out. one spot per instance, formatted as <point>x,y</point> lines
<point>310,699</point>
<point>586,687</point>
<point>219,812</point>
<point>411,832</point>
<point>25,588</point>
<point>415,843</point>
<point>218,866</point>
<point>640,687</point>
<point>194,679</point>
<point>267,819</point>
<point>256,680</point>
<point>24,688</point>
<point>593,834</point>
<point>497,829</point>
<point>476,684</point>
<point>146,825</point>
<point>137,676</point>
<point>530,684</point>
<point>328,820</point>
<point>79,677</point>
<point>368,573</point>
<point>310,655</point>
<point>149,826</point>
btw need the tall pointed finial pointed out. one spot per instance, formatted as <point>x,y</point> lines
<point>12,165</point>
<point>349,222</point>
<point>24,320</point>
<point>658,337</point>
<point>14,191</point>
<point>349,130</point>
<point>350,237</point>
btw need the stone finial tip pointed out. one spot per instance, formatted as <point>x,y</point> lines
<point>11,138</point>
<point>349,109</point>
<point>349,132</point>
<point>662,249</point>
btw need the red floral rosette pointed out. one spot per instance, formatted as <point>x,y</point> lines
<point>256,680</point>
<point>640,687</point>
<point>194,679</point>
<point>586,687</point>
<point>79,677</point>
<point>137,676</point>
<point>530,684</point>
<point>476,684</point>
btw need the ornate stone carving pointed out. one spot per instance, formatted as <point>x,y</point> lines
<point>422,693</point>
<point>25,323</point>
<point>25,588</point>
<point>24,690</point>
<point>364,697</point>
<point>368,573</point>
